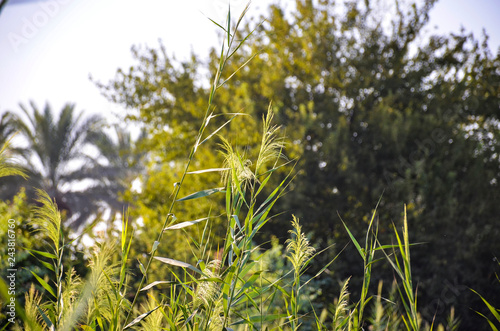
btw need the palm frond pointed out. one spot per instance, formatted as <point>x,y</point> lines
<point>54,142</point>
<point>7,127</point>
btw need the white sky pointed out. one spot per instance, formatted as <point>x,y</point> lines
<point>60,42</point>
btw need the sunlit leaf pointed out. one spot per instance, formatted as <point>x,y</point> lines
<point>153,284</point>
<point>184,224</point>
<point>44,284</point>
<point>140,318</point>
<point>202,194</point>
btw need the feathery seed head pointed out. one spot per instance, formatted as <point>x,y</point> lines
<point>271,145</point>
<point>239,169</point>
<point>208,292</point>
<point>298,247</point>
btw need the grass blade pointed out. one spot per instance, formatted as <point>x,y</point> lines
<point>45,318</point>
<point>158,282</point>
<point>220,127</point>
<point>44,254</point>
<point>492,326</point>
<point>44,284</point>
<point>178,263</point>
<point>490,307</point>
<point>206,170</point>
<point>185,224</point>
<point>140,318</point>
<point>358,247</point>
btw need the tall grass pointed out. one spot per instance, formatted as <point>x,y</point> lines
<point>227,51</point>
<point>493,322</point>
<point>403,270</point>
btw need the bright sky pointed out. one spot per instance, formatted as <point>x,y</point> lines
<point>48,48</point>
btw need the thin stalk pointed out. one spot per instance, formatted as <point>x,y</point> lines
<point>235,277</point>
<point>295,301</point>
<point>59,274</point>
<point>224,57</point>
<point>367,254</point>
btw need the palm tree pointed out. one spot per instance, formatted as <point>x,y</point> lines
<point>121,162</point>
<point>122,154</point>
<point>58,159</point>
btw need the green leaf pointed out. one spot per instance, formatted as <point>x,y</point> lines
<point>325,267</point>
<point>215,132</point>
<point>184,224</point>
<point>153,284</point>
<point>195,312</point>
<point>44,284</point>
<point>236,71</point>
<point>178,263</point>
<point>229,25</point>
<point>220,26</point>
<point>45,254</point>
<point>207,170</point>
<point>45,318</point>
<point>361,251</point>
<point>490,307</point>
<point>141,267</point>
<point>47,265</point>
<point>492,326</point>
<point>249,283</point>
<point>237,220</point>
<point>155,246</point>
<point>140,318</point>
<point>202,194</point>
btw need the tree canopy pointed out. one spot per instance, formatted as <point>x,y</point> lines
<point>59,158</point>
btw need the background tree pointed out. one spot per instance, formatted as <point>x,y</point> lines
<point>58,160</point>
<point>380,113</point>
<point>370,109</point>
